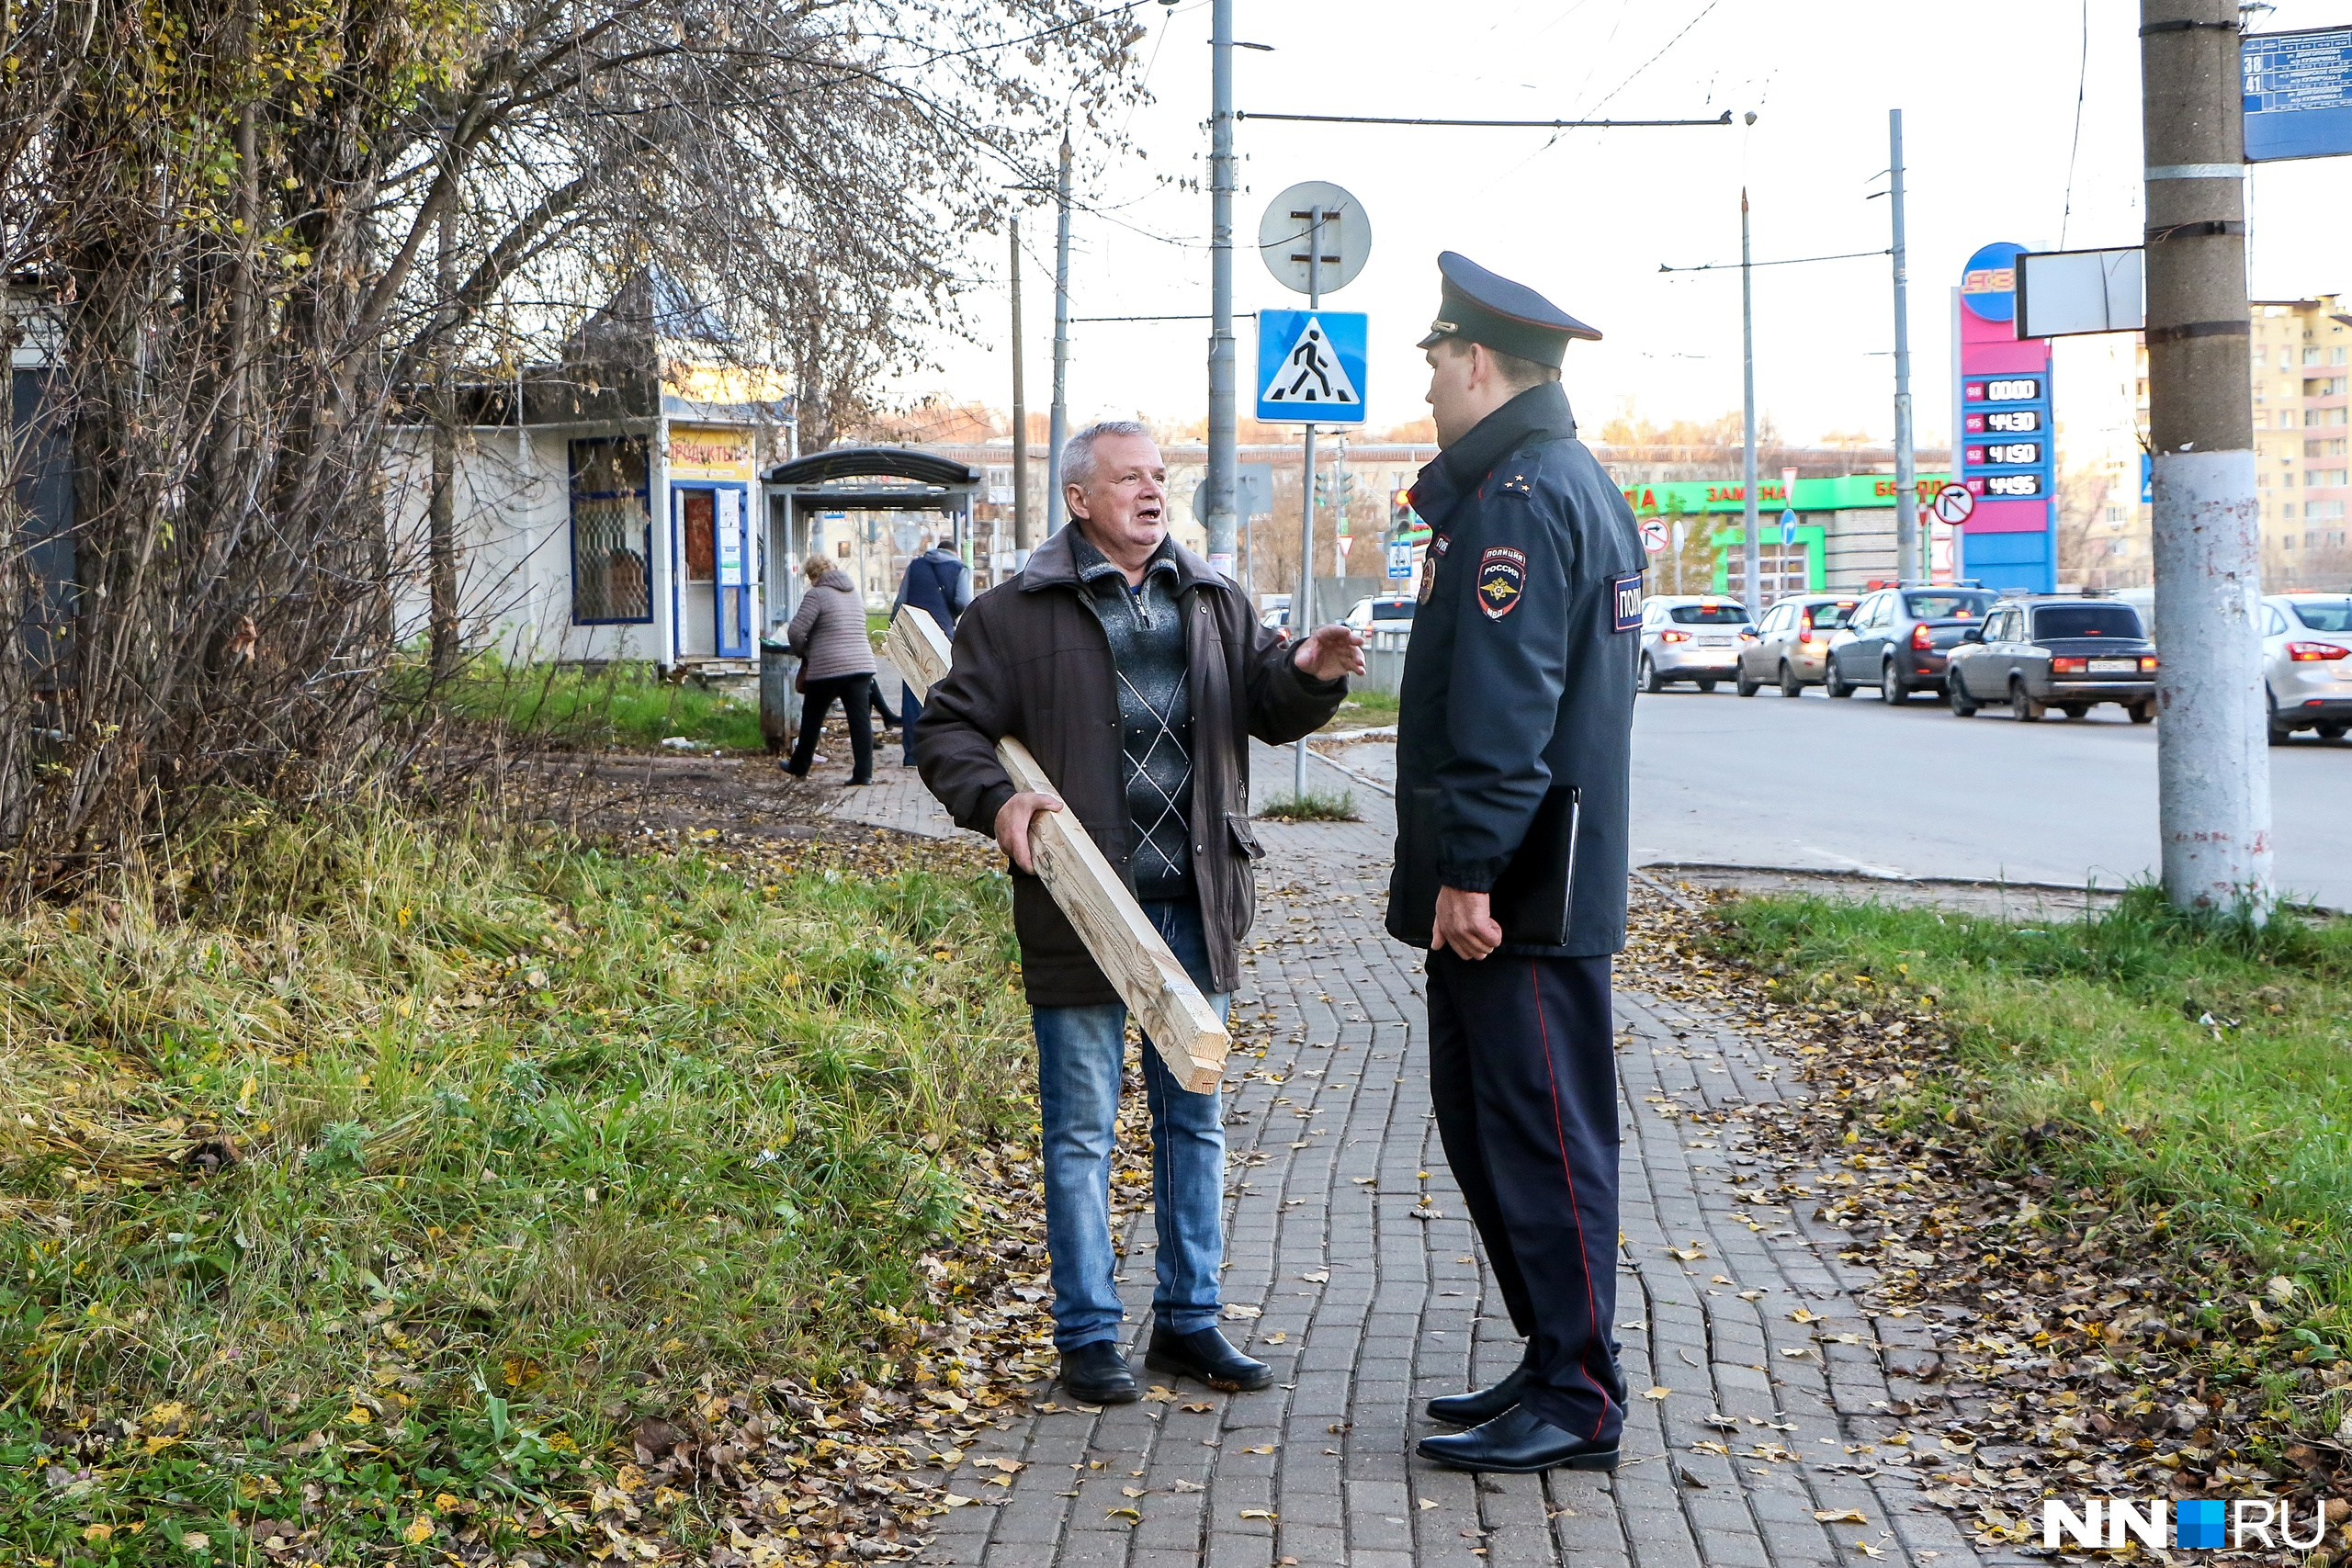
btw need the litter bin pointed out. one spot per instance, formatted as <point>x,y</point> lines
<point>779,703</point>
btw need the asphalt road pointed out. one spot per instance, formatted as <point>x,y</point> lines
<point>1913,791</point>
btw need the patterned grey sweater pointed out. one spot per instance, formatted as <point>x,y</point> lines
<point>1145,629</point>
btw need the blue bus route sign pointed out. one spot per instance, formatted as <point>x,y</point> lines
<point>2297,93</point>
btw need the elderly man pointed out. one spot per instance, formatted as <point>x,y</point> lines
<point>1137,674</point>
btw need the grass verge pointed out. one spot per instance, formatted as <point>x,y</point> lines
<point>621,704</point>
<point>2200,1071</point>
<point>1312,807</point>
<point>1365,710</point>
<point>363,1178</point>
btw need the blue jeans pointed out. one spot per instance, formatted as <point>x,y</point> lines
<point>1079,1052</point>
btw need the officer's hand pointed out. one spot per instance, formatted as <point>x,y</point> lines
<point>1333,652</point>
<point>1464,925</point>
<point>1012,820</point>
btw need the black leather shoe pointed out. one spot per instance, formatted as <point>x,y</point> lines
<point>1097,1374</point>
<point>1204,1355</point>
<point>1518,1442</point>
<point>1483,1404</point>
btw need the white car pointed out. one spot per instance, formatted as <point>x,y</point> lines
<point>1394,614</point>
<point>2307,663</point>
<point>1692,637</point>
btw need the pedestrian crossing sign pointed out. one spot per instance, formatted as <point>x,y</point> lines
<point>1310,365</point>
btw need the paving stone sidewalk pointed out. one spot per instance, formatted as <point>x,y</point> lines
<point>1352,1268</point>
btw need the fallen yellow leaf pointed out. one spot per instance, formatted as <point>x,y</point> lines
<point>1656,1392</point>
<point>1259,1514</point>
<point>1840,1516</point>
<point>419,1531</point>
<point>1130,1514</point>
<point>1260,1449</point>
<point>1426,1503</point>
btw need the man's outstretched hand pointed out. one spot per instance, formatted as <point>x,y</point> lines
<point>1333,652</point>
<point>1012,820</point>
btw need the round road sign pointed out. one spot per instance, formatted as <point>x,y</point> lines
<point>1654,537</point>
<point>1282,234</point>
<point>1953,504</point>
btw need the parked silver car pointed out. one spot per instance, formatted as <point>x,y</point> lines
<point>2307,663</point>
<point>1691,638</point>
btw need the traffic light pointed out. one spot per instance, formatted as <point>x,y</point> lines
<point>1400,510</point>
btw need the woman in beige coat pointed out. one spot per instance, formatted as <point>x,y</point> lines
<point>827,632</point>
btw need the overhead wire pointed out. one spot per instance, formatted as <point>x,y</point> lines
<point>2081,84</point>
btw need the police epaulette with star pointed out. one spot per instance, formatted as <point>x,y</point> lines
<point>1519,484</point>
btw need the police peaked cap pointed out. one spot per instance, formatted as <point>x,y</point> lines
<point>1479,306</point>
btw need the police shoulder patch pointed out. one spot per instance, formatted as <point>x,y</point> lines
<point>1502,579</point>
<point>1627,593</point>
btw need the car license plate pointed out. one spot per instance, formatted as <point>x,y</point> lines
<point>1714,642</point>
<point>2115,667</point>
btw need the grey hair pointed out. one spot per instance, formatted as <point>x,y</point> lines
<point>1078,452</point>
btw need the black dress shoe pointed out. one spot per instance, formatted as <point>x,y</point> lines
<point>1204,1355</point>
<point>1518,1442</point>
<point>1483,1404</point>
<point>1097,1374</point>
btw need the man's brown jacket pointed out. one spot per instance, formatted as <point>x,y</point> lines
<point>1032,661</point>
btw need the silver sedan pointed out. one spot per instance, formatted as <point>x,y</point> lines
<point>2307,663</point>
<point>1694,638</point>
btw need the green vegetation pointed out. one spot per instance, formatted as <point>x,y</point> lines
<point>1312,807</point>
<point>1365,710</point>
<point>2199,1070</point>
<point>621,704</point>
<point>365,1176</point>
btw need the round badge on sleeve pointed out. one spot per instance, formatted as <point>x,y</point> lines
<point>1502,577</point>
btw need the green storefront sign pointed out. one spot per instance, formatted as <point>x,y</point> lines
<point>1844,493</point>
<point>1685,498</point>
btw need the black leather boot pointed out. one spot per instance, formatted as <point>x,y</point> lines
<point>1483,1404</point>
<point>1097,1374</point>
<point>1204,1355</point>
<point>1518,1442</point>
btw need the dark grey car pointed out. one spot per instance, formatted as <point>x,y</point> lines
<point>1898,639</point>
<point>2046,652</point>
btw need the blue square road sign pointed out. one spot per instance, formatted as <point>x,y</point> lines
<point>1311,366</point>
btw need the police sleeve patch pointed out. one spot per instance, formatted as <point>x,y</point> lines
<point>1502,577</point>
<point>1627,593</point>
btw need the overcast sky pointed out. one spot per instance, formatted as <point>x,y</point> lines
<point>1989,95</point>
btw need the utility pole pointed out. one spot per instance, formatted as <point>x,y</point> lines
<point>1024,522</point>
<point>1752,562</point>
<point>1301,603</point>
<point>2213,753</point>
<point>1910,560</point>
<point>1224,456</point>
<point>1058,421</point>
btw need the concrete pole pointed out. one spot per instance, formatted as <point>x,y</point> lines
<point>1224,455</point>
<point>2213,756</point>
<point>1024,521</point>
<point>1752,561</point>
<point>1302,605</point>
<point>1057,422</point>
<point>1911,564</point>
<point>1959,417</point>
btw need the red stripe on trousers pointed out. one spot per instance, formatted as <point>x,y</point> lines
<point>1559,1131</point>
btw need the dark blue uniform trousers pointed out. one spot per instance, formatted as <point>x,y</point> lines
<point>1523,1074</point>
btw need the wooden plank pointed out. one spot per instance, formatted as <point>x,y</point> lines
<point>1175,1017</point>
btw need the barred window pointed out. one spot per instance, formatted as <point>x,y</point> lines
<point>612,533</point>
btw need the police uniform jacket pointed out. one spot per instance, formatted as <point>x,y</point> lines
<point>1519,681</point>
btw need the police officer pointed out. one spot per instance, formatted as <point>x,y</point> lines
<point>1514,747</point>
